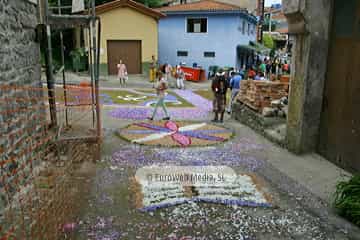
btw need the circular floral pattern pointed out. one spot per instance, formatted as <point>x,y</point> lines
<point>175,134</point>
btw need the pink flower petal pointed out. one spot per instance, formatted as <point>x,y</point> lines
<point>181,139</point>
<point>172,126</point>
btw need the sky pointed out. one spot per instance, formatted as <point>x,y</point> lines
<point>269,2</point>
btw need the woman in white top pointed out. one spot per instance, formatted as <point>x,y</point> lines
<point>122,72</point>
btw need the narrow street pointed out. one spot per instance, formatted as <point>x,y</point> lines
<point>108,209</point>
<point>179,120</point>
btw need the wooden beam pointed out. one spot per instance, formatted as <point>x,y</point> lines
<point>68,21</point>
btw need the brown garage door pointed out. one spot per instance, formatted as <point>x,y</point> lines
<point>340,120</point>
<point>129,51</point>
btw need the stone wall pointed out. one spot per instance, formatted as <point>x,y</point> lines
<point>310,51</point>
<point>22,109</point>
<point>258,122</point>
<point>37,190</point>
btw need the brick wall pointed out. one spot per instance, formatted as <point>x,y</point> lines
<point>37,190</point>
<point>22,110</point>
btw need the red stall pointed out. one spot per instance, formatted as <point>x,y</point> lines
<point>193,74</point>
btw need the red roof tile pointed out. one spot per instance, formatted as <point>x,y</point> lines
<point>204,5</point>
<point>131,4</point>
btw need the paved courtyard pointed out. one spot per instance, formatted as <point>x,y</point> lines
<point>281,196</point>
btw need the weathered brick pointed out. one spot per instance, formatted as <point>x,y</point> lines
<point>20,67</point>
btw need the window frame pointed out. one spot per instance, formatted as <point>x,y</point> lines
<point>207,25</point>
<point>210,52</point>
<point>182,51</point>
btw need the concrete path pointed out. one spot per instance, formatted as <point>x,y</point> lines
<point>299,188</point>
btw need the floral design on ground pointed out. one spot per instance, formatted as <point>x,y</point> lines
<point>149,194</point>
<point>235,153</point>
<point>201,110</point>
<point>135,97</point>
<point>175,134</point>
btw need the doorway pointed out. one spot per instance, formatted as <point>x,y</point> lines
<point>340,120</point>
<point>129,51</point>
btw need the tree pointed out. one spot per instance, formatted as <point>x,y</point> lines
<point>268,41</point>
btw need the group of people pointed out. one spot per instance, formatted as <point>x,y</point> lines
<point>160,76</point>
<point>169,73</point>
<point>268,69</point>
<point>166,69</point>
<point>220,85</point>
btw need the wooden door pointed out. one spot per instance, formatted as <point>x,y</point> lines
<point>340,121</point>
<point>129,51</point>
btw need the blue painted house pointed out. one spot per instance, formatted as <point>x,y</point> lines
<point>207,33</point>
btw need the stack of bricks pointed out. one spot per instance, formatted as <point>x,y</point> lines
<point>258,94</point>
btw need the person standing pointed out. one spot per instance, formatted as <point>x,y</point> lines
<point>280,69</point>
<point>286,67</point>
<point>180,75</point>
<point>276,69</point>
<point>273,70</point>
<point>122,73</point>
<point>219,89</point>
<point>251,73</point>
<point>268,69</point>
<point>153,69</point>
<point>263,67</point>
<point>228,76</point>
<point>160,87</point>
<point>167,72</point>
<point>235,88</point>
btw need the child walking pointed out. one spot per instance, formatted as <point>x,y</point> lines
<point>161,87</point>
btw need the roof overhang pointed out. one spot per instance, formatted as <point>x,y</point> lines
<point>246,48</point>
<point>253,47</point>
<point>131,4</point>
<point>242,13</point>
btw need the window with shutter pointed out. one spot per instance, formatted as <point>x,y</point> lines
<point>196,25</point>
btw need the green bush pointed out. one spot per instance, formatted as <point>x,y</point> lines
<point>347,199</point>
<point>268,41</point>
